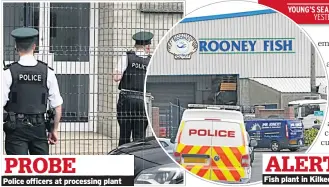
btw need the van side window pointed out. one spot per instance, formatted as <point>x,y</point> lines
<point>164,144</point>
<point>310,109</point>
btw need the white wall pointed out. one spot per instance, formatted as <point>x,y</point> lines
<point>271,25</point>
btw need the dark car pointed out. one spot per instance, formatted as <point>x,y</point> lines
<point>318,127</point>
<point>152,164</point>
<point>252,152</point>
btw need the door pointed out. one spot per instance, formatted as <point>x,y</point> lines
<point>194,147</point>
<point>67,43</point>
<point>295,132</point>
<point>17,15</point>
<point>165,97</point>
<point>164,93</point>
<point>68,37</point>
<point>228,152</point>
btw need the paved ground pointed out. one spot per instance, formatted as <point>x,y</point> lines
<point>257,165</point>
<point>83,143</point>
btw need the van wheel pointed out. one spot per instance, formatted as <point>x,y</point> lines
<point>293,149</point>
<point>275,146</point>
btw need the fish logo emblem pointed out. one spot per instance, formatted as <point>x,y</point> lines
<point>182,46</point>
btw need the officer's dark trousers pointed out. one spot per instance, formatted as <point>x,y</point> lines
<point>131,117</point>
<point>26,140</point>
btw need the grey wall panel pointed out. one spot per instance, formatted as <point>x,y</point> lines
<point>287,97</point>
<point>247,65</point>
<point>164,93</point>
<point>261,94</point>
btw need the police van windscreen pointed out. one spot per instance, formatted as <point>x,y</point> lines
<point>212,133</point>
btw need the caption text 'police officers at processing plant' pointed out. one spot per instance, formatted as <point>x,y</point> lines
<point>28,85</point>
<point>131,72</point>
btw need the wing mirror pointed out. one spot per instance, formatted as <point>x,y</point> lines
<point>172,140</point>
<point>253,143</point>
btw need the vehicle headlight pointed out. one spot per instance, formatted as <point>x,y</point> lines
<point>164,174</point>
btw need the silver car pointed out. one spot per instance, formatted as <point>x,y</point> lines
<point>167,145</point>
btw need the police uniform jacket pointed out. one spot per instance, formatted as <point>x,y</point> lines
<point>133,66</point>
<point>26,74</point>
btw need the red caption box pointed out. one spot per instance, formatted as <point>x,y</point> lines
<point>302,11</point>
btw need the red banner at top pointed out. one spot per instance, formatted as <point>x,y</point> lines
<point>302,11</point>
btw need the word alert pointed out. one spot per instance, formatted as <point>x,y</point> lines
<point>298,164</point>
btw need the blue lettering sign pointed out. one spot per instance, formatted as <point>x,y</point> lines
<point>245,45</point>
<point>203,46</point>
<point>277,45</point>
<point>224,46</point>
<point>252,45</point>
<point>213,46</point>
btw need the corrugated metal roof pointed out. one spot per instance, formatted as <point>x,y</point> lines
<point>290,85</point>
<point>226,16</point>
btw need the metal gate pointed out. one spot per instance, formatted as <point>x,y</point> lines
<point>83,42</point>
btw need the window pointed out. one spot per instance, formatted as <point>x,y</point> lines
<point>69,31</point>
<point>189,138</point>
<point>164,144</point>
<point>269,106</point>
<point>75,93</point>
<point>309,109</point>
<point>296,111</point>
<point>162,8</point>
<point>17,15</point>
<point>31,12</point>
<point>223,90</point>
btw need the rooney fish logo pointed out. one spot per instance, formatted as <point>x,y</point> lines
<point>182,46</point>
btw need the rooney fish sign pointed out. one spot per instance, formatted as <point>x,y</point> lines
<point>246,45</point>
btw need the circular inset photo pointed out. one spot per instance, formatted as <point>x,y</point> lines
<point>231,84</point>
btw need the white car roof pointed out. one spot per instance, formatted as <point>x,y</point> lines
<point>302,102</point>
<point>190,114</point>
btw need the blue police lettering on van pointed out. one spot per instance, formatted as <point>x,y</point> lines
<point>277,134</point>
<point>245,45</point>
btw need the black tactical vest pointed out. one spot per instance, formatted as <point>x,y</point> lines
<point>134,76</point>
<point>28,91</point>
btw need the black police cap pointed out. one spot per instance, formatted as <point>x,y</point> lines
<point>143,38</point>
<point>24,34</point>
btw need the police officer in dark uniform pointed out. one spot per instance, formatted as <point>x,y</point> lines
<point>131,73</point>
<point>29,85</point>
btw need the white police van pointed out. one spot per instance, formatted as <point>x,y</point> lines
<point>212,143</point>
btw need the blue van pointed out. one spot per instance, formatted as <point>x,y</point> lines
<point>276,134</point>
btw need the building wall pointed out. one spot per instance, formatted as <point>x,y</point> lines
<point>252,93</point>
<point>244,92</point>
<point>204,85</point>
<point>202,88</point>
<point>106,87</point>
<point>272,25</point>
<point>287,97</point>
<point>117,23</point>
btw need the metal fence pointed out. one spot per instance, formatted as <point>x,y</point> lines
<point>83,42</point>
<point>170,119</point>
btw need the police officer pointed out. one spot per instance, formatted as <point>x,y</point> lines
<point>28,85</point>
<point>131,73</point>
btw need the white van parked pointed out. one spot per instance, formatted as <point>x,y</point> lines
<point>212,143</point>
